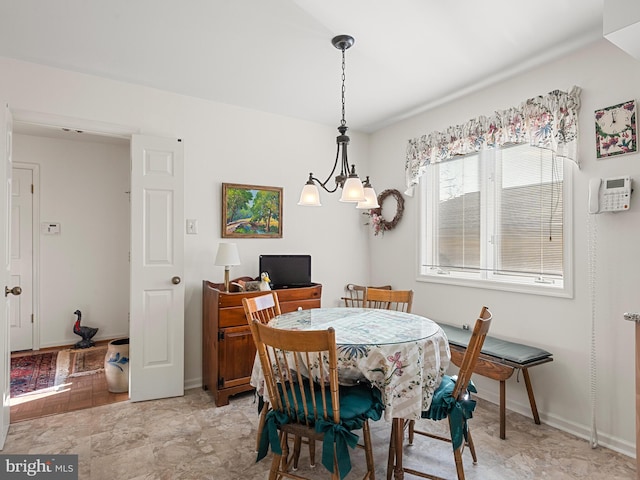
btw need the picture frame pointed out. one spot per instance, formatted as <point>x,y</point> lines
<point>616,130</point>
<point>251,211</point>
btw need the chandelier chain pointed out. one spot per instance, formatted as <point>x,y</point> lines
<point>343,122</point>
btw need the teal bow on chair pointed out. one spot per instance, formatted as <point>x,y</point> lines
<point>341,437</point>
<point>444,405</point>
<point>357,403</point>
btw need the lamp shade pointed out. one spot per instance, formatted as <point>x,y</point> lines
<point>227,254</point>
<point>310,196</point>
<point>370,197</point>
<point>352,190</point>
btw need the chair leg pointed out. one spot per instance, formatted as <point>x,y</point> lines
<point>457,455</point>
<point>412,426</point>
<point>278,459</point>
<point>368,451</point>
<point>297,443</point>
<point>392,451</point>
<point>261,421</point>
<point>398,426</point>
<point>312,452</point>
<point>285,450</point>
<point>472,448</point>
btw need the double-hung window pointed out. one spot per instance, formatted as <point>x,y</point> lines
<point>499,218</point>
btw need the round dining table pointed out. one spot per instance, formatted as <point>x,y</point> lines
<point>402,354</point>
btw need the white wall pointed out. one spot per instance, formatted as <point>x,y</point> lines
<point>83,187</point>
<point>229,144</point>
<point>222,144</point>
<point>607,76</point>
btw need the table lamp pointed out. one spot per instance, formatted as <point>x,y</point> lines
<point>227,255</point>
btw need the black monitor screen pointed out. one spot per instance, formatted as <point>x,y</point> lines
<point>287,270</point>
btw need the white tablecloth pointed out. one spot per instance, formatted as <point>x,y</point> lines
<point>402,354</point>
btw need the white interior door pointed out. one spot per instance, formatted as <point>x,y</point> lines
<point>21,320</point>
<point>157,248</point>
<point>5,269</point>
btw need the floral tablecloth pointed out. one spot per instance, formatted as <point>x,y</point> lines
<point>403,354</point>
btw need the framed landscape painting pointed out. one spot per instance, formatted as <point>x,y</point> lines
<point>251,211</point>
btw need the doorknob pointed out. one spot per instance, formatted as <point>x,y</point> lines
<point>14,291</point>
<point>176,280</point>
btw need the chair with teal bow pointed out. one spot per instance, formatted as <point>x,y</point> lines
<point>452,400</point>
<point>301,379</point>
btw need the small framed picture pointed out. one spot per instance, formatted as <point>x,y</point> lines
<point>616,132</point>
<point>251,211</point>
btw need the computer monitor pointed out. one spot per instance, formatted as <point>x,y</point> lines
<point>287,271</point>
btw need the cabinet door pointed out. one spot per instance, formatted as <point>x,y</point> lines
<point>237,352</point>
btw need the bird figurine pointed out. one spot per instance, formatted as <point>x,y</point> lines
<point>264,282</point>
<point>85,332</point>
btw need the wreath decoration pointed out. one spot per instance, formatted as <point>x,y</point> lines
<point>378,222</point>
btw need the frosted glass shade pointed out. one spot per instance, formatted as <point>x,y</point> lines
<point>352,190</point>
<point>310,196</point>
<point>370,199</point>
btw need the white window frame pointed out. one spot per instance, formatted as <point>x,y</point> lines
<point>540,286</point>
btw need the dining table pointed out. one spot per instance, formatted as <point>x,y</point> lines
<point>404,355</point>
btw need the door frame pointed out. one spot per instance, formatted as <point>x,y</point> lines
<point>105,129</point>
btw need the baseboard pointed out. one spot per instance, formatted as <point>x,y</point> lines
<point>193,383</point>
<point>581,431</point>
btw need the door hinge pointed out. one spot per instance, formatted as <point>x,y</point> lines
<point>32,318</point>
<point>32,189</point>
<point>221,335</point>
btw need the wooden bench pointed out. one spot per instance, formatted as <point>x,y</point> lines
<point>498,360</point>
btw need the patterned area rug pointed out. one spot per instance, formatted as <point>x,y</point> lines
<point>32,372</point>
<point>80,362</point>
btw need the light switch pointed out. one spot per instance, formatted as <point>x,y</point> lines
<point>192,226</point>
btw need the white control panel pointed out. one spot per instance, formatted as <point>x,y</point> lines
<point>50,228</point>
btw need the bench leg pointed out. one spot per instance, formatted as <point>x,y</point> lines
<point>503,401</point>
<point>532,400</point>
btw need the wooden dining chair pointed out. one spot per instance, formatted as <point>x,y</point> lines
<point>399,300</point>
<point>452,400</point>
<point>301,378</point>
<point>262,308</point>
<point>354,294</point>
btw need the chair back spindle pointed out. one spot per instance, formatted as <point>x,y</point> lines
<point>399,300</point>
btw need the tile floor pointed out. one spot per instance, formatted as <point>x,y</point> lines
<point>190,438</point>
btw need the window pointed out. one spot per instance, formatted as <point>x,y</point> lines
<point>499,218</point>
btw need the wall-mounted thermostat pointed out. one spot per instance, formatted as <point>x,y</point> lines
<point>50,228</point>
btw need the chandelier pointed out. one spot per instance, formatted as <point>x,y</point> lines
<point>353,190</point>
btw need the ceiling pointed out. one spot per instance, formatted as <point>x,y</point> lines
<point>276,55</point>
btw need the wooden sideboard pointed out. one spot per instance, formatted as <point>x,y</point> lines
<point>228,350</point>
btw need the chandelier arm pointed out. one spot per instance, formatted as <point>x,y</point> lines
<point>333,190</point>
<point>335,165</point>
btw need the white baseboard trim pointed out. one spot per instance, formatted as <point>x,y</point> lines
<point>193,383</point>
<point>581,431</point>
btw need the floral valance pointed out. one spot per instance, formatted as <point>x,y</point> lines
<point>549,121</point>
